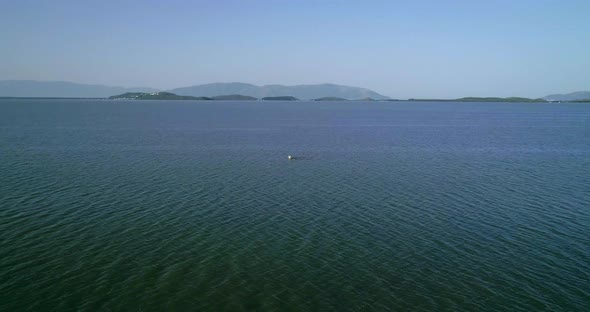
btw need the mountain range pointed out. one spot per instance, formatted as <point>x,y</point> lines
<point>305,92</point>
<point>34,88</point>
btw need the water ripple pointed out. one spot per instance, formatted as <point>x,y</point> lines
<point>390,207</point>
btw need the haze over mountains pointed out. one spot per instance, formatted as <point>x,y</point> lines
<point>574,96</point>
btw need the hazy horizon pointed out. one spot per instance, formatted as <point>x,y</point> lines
<point>420,50</point>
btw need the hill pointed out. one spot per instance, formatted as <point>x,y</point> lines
<point>574,96</point>
<point>155,96</point>
<point>33,88</point>
<point>305,92</point>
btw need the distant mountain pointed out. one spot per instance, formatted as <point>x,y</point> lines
<point>156,96</point>
<point>305,92</point>
<point>574,96</point>
<point>33,88</point>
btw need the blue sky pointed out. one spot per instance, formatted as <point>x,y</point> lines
<point>399,48</point>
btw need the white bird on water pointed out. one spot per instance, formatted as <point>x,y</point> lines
<point>290,157</point>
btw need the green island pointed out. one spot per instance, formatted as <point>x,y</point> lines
<point>330,98</point>
<point>172,96</point>
<point>156,96</point>
<point>280,98</point>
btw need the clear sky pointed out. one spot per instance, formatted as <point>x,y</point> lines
<point>399,48</point>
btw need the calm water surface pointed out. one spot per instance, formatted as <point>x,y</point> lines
<point>155,205</point>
